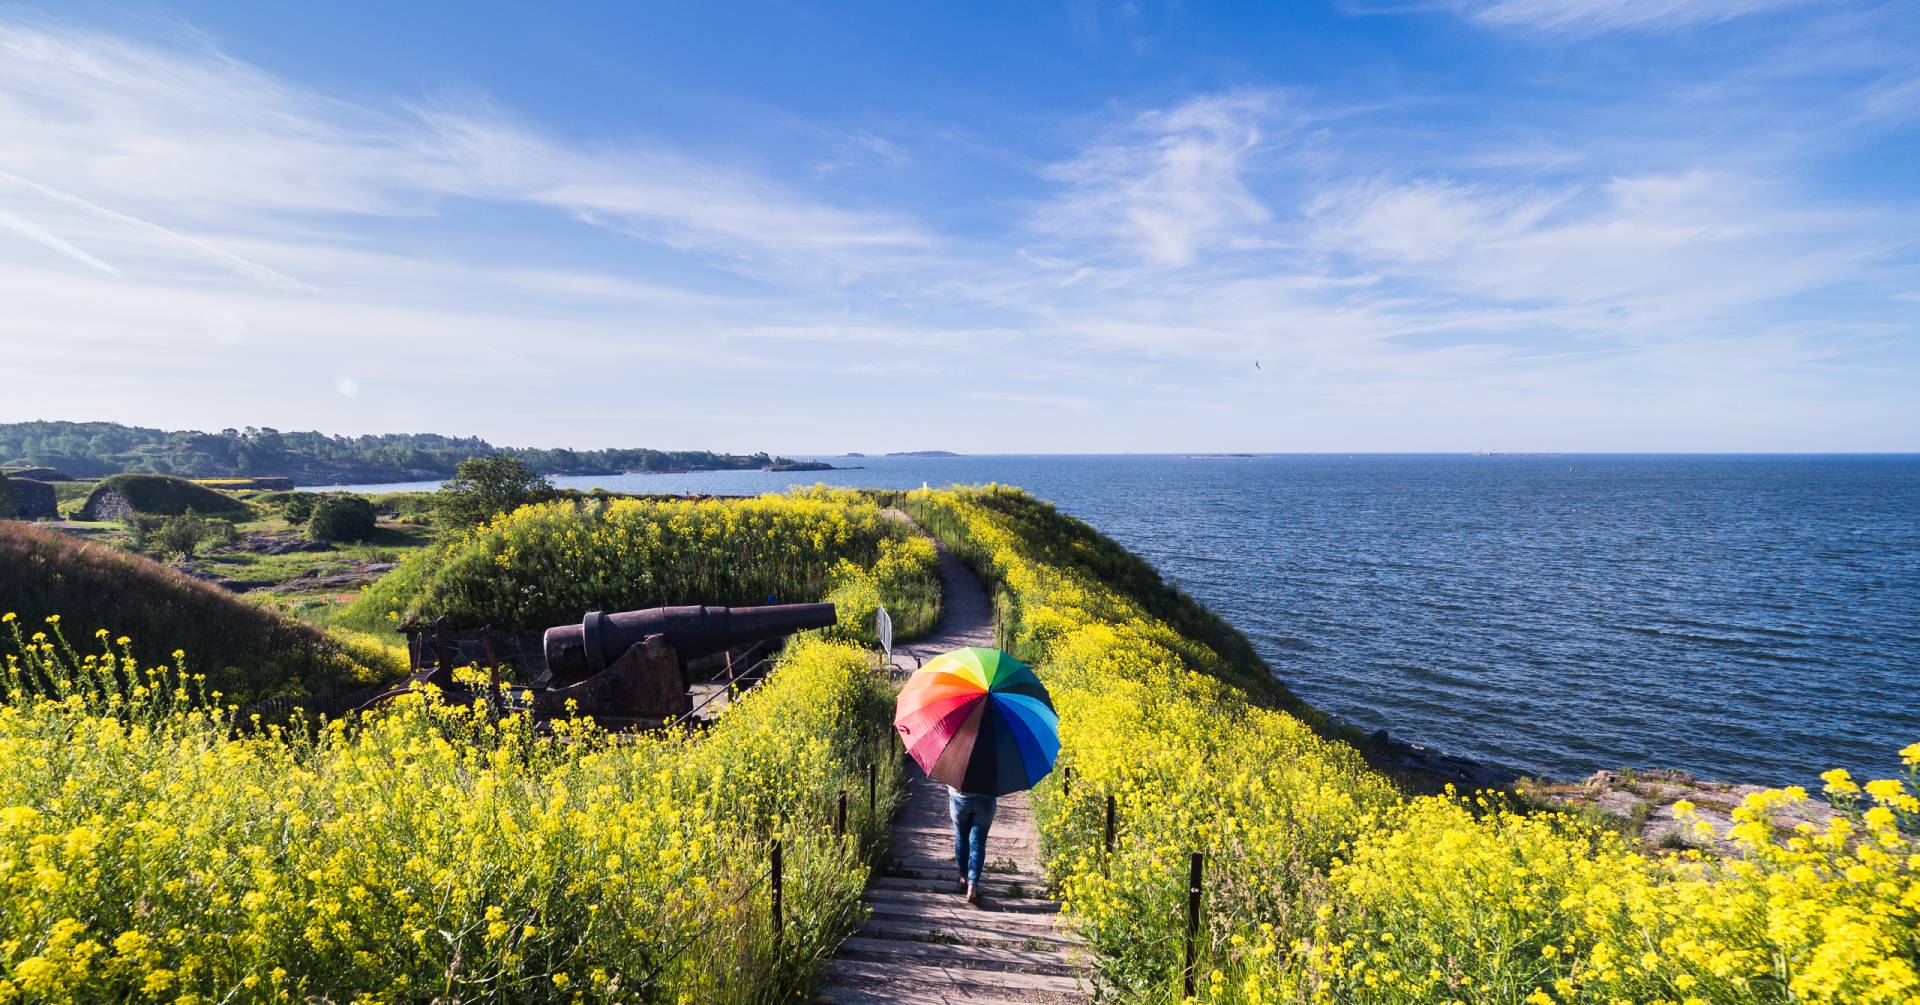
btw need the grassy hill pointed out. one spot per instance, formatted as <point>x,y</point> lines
<point>245,651</point>
<point>160,495</point>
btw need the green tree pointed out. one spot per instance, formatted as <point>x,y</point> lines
<point>485,486</point>
<point>341,518</point>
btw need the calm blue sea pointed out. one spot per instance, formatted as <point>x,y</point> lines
<point>1751,618</point>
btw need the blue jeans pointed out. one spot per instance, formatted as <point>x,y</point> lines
<point>972,816</point>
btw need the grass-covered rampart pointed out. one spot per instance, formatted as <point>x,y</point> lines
<point>150,851</point>
<point>245,651</point>
<point>164,495</point>
<point>1324,883</point>
<point>546,564</point>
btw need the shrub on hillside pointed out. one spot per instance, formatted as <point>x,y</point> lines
<point>484,487</point>
<point>341,518</point>
<point>547,564</point>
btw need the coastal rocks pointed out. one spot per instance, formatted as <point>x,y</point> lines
<point>1641,804</point>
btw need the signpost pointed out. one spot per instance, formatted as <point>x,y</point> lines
<point>883,627</point>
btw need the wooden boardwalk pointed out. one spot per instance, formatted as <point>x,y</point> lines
<point>922,942</point>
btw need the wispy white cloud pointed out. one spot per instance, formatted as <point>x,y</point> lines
<point>182,138</point>
<point>1170,183</point>
<point>1593,16</point>
<point>863,152</point>
<point>40,235</point>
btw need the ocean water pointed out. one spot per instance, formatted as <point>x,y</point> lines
<point>1749,618</point>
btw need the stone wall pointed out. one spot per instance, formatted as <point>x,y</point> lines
<point>106,504</point>
<point>32,500</point>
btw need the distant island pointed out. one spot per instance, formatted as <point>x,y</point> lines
<point>923,453</point>
<point>93,449</point>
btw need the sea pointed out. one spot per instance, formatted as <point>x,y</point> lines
<point>1747,618</point>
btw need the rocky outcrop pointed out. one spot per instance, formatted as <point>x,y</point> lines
<point>1642,805</point>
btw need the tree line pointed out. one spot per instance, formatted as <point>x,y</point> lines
<point>92,449</point>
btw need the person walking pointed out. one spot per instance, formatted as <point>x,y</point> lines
<point>979,722</point>
<point>972,818</point>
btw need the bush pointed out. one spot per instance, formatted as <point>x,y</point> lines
<point>177,535</point>
<point>298,507</point>
<point>549,563</point>
<point>484,487</point>
<point>338,518</point>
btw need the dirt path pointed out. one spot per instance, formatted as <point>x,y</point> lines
<point>922,943</point>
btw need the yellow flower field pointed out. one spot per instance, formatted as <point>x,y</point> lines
<point>1324,884</point>
<point>153,849</point>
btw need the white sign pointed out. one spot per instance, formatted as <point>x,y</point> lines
<point>883,627</point>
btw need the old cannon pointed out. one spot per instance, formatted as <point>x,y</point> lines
<point>628,668</point>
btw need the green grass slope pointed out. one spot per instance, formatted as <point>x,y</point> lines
<point>246,652</point>
<point>164,495</point>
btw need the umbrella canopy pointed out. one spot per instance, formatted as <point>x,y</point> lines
<point>980,721</point>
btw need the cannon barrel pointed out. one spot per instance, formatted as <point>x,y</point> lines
<point>693,632</point>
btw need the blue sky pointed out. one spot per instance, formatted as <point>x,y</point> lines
<point>1447,225</point>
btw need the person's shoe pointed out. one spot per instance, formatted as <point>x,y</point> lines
<point>973,894</point>
<point>961,886</point>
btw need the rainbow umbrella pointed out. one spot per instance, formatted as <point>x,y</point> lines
<point>980,721</point>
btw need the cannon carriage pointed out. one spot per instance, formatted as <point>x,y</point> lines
<point>625,670</point>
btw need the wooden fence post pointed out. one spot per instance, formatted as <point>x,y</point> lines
<point>840,816</point>
<point>1193,915</point>
<point>1066,782</point>
<point>873,791</point>
<point>778,920</point>
<point>1111,810</point>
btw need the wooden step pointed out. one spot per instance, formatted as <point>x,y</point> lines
<point>989,885</point>
<point>849,995</point>
<point>925,981</point>
<point>983,932</point>
<point>960,914</point>
<point>988,904</point>
<point>973,957</point>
